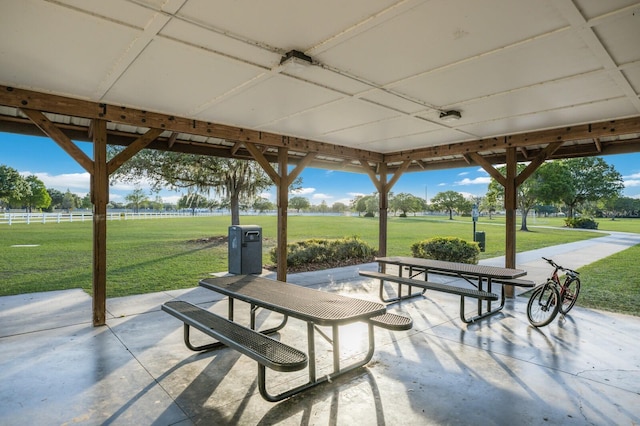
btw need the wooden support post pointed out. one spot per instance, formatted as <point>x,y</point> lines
<point>383,211</point>
<point>383,188</point>
<point>283,207</point>
<point>510,199</point>
<point>282,180</point>
<point>99,198</point>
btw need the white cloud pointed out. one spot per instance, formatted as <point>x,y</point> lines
<point>171,199</point>
<point>442,184</point>
<point>463,173</point>
<point>356,194</point>
<point>72,181</point>
<point>303,191</point>
<point>345,201</point>
<point>320,196</point>
<point>484,180</point>
<point>631,180</point>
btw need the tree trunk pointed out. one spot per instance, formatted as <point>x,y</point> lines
<point>450,214</point>
<point>525,213</point>
<point>235,209</point>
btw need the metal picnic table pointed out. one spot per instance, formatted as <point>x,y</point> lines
<point>316,308</point>
<point>466,271</point>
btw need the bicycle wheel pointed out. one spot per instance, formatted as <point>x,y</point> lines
<point>570,295</point>
<point>543,305</point>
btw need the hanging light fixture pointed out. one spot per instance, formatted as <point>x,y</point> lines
<point>295,61</point>
<point>451,115</point>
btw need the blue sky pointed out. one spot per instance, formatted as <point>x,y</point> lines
<point>42,157</point>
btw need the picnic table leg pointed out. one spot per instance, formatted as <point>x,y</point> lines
<point>313,381</point>
<point>399,291</point>
<point>489,310</point>
<point>201,348</point>
<point>253,310</point>
<point>312,351</point>
<point>480,300</point>
<point>336,348</point>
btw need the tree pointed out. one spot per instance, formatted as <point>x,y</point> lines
<point>449,201</point>
<point>262,205</point>
<point>323,207</point>
<point>193,201</point>
<point>56,199</point>
<point>339,207</point>
<point>359,205</point>
<point>234,179</point>
<point>12,185</point>
<point>527,194</point>
<point>70,201</point>
<point>157,204</point>
<point>546,209</point>
<point>591,179</point>
<point>136,199</point>
<point>367,204</point>
<point>624,206</point>
<point>406,203</point>
<point>33,195</point>
<point>489,203</point>
<point>299,203</point>
<point>86,203</point>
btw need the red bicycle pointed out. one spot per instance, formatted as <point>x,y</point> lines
<point>553,296</point>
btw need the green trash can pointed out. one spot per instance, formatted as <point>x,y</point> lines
<point>245,249</point>
<point>481,240</point>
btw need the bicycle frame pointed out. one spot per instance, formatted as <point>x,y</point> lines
<point>543,306</point>
<point>562,287</point>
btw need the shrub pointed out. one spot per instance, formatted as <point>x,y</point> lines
<point>451,249</point>
<point>369,214</point>
<point>323,251</point>
<point>581,222</point>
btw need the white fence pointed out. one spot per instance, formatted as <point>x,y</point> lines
<point>29,218</point>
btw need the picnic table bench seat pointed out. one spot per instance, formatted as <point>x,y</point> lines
<point>462,291</point>
<point>392,321</point>
<point>516,282</point>
<point>266,351</point>
<point>452,289</point>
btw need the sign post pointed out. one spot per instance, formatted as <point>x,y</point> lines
<point>474,215</point>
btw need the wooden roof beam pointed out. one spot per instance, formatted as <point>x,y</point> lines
<point>598,144</point>
<point>19,98</point>
<point>586,131</point>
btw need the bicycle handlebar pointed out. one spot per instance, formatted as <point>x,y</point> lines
<point>555,265</point>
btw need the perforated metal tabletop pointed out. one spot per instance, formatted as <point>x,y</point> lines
<point>466,271</point>
<point>454,267</point>
<point>319,307</point>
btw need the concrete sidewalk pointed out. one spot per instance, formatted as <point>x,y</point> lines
<point>571,255</point>
<point>56,368</point>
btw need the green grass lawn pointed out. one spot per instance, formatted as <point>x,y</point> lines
<point>161,254</point>
<point>612,284</point>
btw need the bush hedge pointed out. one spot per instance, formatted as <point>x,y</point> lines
<point>581,222</point>
<point>347,250</point>
<point>451,249</point>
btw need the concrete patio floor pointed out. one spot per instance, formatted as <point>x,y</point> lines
<point>56,368</point>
